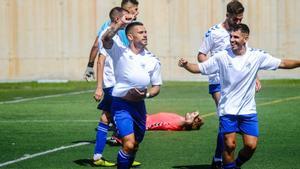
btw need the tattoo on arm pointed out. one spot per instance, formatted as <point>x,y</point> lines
<point>107,37</point>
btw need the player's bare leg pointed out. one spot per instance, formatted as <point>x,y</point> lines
<point>229,148</point>
<point>127,153</point>
<point>250,143</point>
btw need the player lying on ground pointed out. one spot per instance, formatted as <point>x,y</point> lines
<point>168,121</point>
<point>173,121</point>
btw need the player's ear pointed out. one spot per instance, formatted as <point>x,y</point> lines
<point>246,37</point>
<point>116,19</point>
<point>227,15</point>
<point>130,36</point>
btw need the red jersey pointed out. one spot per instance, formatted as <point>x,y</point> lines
<point>164,121</point>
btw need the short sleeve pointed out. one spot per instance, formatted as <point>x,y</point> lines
<point>208,67</point>
<point>207,43</point>
<point>268,62</point>
<point>155,74</point>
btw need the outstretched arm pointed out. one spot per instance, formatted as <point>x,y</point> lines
<point>191,67</point>
<point>289,64</point>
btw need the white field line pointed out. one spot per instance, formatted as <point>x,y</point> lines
<point>43,153</point>
<point>45,97</point>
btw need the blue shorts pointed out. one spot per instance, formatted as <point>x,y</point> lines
<point>214,88</point>
<point>105,104</point>
<point>129,117</point>
<point>246,124</point>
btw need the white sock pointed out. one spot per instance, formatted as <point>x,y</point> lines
<point>97,156</point>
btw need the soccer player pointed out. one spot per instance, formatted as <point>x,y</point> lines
<point>135,68</point>
<point>105,83</point>
<point>215,40</point>
<point>174,122</point>
<point>237,68</point>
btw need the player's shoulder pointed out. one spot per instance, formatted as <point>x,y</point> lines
<point>223,53</point>
<point>152,56</point>
<point>256,50</point>
<point>214,30</point>
<point>105,24</point>
<point>104,27</point>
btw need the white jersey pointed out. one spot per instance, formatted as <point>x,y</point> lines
<point>108,70</point>
<point>133,70</point>
<point>216,39</point>
<point>237,78</point>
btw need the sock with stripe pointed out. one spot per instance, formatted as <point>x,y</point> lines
<point>229,166</point>
<point>219,148</point>
<point>124,160</point>
<point>100,139</point>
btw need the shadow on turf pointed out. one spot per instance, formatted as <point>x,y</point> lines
<point>85,141</point>
<point>193,166</point>
<point>84,162</point>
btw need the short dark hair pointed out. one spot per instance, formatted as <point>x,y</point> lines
<point>115,12</point>
<point>124,2</point>
<point>242,27</point>
<point>131,25</point>
<point>235,7</point>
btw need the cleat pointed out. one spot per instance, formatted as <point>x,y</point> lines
<point>104,163</point>
<point>216,165</point>
<point>136,164</point>
<point>118,140</point>
<point>113,141</point>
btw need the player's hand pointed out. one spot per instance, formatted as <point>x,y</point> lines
<point>89,74</point>
<point>98,94</point>
<point>127,18</point>
<point>135,15</point>
<point>257,85</point>
<point>182,62</point>
<point>135,95</point>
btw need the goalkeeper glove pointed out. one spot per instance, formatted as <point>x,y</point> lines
<point>89,73</point>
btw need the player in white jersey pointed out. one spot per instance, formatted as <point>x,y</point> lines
<point>217,39</point>
<point>105,83</point>
<point>238,67</point>
<point>135,68</point>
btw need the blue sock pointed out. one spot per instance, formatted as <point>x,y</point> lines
<point>124,160</point>
<point>219,148</point>
<point>101,138</point>
<point>229,166</point>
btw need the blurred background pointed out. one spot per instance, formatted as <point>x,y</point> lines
<point>51,39</point>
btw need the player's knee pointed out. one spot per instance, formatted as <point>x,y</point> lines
<point>129,146</point>
<point>104,119</point>
<point>230,146</point>
<point>250,146</point>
